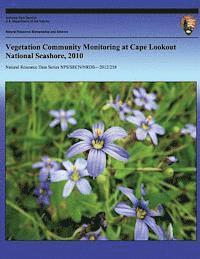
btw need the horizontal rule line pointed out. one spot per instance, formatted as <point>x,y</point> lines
<point>100,10</point>
<point>112,37</point>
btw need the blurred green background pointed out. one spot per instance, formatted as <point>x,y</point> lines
<point>29,137</point>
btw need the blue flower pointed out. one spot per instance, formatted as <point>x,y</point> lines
<point>171,160</point>
<point>122,108</point>
<point>98,143</point>
<point>142,98</point>
<point>43,193</point>
<point>47,166</point>
<point>74,176</point>
<point>146,126</point>
<point>144,215</point>
<point>62,117</point>
<point>189,129</point>
<point>93,236</point>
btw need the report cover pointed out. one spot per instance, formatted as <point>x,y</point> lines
<point>99,129</point>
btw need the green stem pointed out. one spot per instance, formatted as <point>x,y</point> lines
<point>59,160</point>
<point>40,224</point>
<point>156,169</point>
<point>23,90</point>
<point>62,137</point>
<point>21,211</point>
<point>106,192</point>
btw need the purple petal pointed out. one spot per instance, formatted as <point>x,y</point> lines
<point>189,129</point>
<point>172,159</point>
<point>43,174</point>
<point>114,133</point>
<point>139,102</point>
<point>184,131</point>
<point>38,165</point>
<point>44,185</point>
<point>142,190</point>
<point>141,134</point>
<point>147,106</point>
<point>141,230</point>
<point>80,164</point>
<point>54,113</point>
<point>68,188</point>
<point>158,129</point>
<point>96,162</point>
<point>153,136</point>
<point>72,121</point>
<point>126,109</point>
<point>78,148</point>
<point>84,238</point>
<point>100,238</point>
<point>152,105</point>
<point>135,120</point>
<point>44,199</point>
<point>129,193</point>
<point>152,224</point>
<point>60,175</point>
<point>136,92</point>
<point>68,166</point>
<point>63,125</point>
<point>70,113</point>
<point>46,159</point>
<point>62,114</point>
<point>122,116</point>
<point>124,209</point>
<point>55,166</point>
<point>82,134</point>
<point>116,152</point>
<point>190,126</point>
<point>117,98</point>
<point>84,186</point>
<point>143,92</point>
<point>139,114</point>
<point>84,173</point>
<point>158,212</point>
<point>144,203</point>
<point>193,134</point>
<point>36,191</point>
<point>54,123</point>
<point>151,96</point>
<point>44,170</point>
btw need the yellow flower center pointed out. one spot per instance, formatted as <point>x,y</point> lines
<point>149,118</point>
<point>140,213</point>
<point>145,126</point>
<point>98,132</point>
<point>120,103</point>
<point>62,114</point>
<point>75,175</point>
<point>41,191</point>
<point>97,144</point>
<point>92,238</point>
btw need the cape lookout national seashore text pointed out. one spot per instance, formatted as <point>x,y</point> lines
<point>87,46</point>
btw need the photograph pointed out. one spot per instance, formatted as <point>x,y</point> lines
<point>100,161</point>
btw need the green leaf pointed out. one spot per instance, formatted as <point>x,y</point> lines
<point>75,206</point>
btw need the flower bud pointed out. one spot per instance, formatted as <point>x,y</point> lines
<point>101,179</point>
<point>169,172</point>
<point>148,141</point>
<point>176,129</point>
